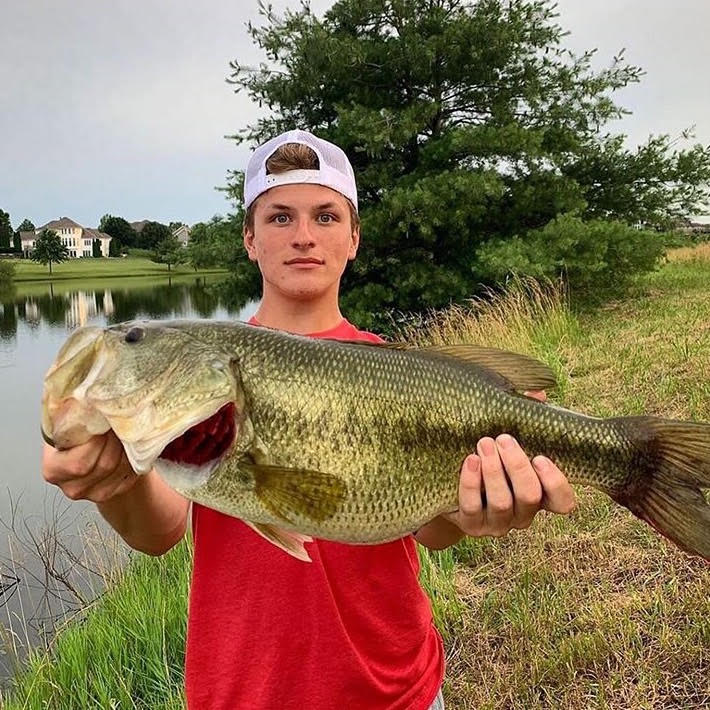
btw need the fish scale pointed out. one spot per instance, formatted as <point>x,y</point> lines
<point>364,443</point>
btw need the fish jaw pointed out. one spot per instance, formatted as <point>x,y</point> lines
<point>67,418</point>
<point>92,387</point>
<point>183,477</point>
<point>72,423</point>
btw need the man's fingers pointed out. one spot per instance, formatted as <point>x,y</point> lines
<point>93,471</point>
<point>527,490</point>
<point>470,493</point>
<point>58,467</point>
<point>111,456</point>
<point>558,493</point>
<point>499,499</point>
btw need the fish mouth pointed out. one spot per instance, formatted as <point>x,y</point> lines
<point>188,461</point>
<point>205,441</point>
<point>67,420</point>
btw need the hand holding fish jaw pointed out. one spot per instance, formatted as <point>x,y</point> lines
<point>97,470</point>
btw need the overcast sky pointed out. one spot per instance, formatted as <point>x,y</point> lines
<point>121,106</point>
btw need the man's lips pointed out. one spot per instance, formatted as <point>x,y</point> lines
<point>304,261</point>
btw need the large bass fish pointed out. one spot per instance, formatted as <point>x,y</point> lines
<point>348,441</point>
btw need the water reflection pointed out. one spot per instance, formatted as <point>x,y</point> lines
<point>115,304</point>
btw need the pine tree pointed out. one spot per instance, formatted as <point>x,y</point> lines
<point>477,141</point>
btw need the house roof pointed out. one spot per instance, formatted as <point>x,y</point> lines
<point>27,236</point>
<point>62,223</point>
<point>95,234</point>
<point>138,226</point>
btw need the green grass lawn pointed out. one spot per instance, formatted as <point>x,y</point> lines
<point>127,267</point>
<point>591,610</point>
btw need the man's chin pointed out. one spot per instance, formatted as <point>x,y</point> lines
<point>307,289</point>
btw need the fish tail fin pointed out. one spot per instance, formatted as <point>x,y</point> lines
<point>674,496</point>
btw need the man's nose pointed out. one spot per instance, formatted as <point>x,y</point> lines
<point>303,235</point>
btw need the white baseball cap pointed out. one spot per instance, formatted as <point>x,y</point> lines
<point>334,169</point>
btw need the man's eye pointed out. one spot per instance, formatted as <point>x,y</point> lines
<point>325,218</point>
<point>280,218</point>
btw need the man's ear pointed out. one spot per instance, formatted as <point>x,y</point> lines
<point>354,243</point>
<point>248,238</point>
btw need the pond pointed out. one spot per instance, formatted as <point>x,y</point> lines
<point>39,529</point>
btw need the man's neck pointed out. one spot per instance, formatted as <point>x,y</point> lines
<point>301,317</point>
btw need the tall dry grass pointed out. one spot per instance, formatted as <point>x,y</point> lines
<point>593,610</point>
<point>700,252</point>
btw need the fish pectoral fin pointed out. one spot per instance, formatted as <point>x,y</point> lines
<point>291,491</point>
<point>291,542</point>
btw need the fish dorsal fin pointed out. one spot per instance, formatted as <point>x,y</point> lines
<point>522,372</point>
<point>291,492</point>
<point>508,369</point>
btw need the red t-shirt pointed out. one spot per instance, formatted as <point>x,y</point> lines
<point>352,629</point>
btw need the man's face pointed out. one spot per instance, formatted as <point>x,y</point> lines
<point>302,239</point>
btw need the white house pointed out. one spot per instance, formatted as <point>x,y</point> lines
<point>183,234</point>
<point>77,239</point>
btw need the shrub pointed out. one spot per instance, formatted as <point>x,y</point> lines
<point>7,271</point>
<point>598,258</point>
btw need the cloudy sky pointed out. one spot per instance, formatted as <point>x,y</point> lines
<point>121,106</point>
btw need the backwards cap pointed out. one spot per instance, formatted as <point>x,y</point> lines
<point>334,169</point>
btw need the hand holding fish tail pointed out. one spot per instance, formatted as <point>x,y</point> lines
<point>501,490</point>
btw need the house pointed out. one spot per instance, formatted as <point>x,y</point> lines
<point>687,226</point>
<point>183,234</point>
<point>77,239</point>
<point>27,240</point>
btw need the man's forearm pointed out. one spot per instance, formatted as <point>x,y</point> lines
<point>151,517</point>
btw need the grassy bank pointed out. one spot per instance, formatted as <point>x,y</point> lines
<point>125,651</point>
<point>592,610</point>
<point>100,269</point>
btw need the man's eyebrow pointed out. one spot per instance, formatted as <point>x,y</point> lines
<point>324,206</point>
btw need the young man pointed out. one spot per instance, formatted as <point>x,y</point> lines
<point>353,628</point>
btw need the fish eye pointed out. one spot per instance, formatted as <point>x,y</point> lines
<point>134,335</point>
